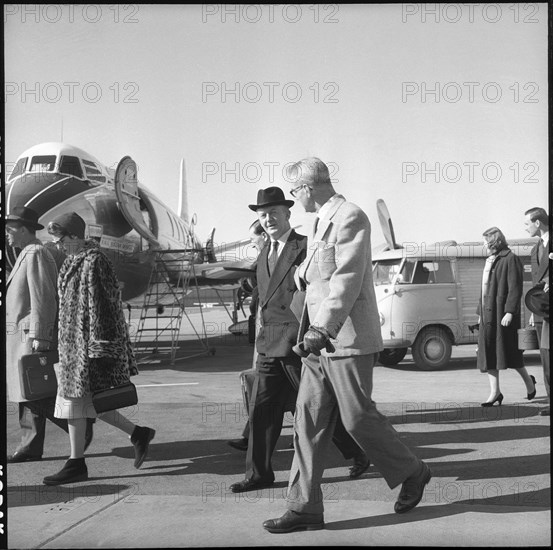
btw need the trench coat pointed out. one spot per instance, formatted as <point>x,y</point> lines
<point>498,345</point>
<point>31,307</point>
<point>93,338</point>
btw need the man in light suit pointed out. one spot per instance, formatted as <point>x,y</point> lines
<point>536,222</point>
<point>31,309</point>
<point>337,378</point>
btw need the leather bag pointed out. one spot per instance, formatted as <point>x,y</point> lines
<point>116,397</point>
<point>37,375</point>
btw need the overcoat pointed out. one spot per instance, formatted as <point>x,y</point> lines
<point>31,308</point>
<point>498,345</point>
<point>93,338</point>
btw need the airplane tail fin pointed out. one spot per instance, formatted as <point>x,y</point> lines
<point>183,194</point>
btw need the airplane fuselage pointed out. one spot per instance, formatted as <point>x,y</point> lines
<point>53,178</point>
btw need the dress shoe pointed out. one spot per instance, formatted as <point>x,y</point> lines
<point>240,444</point>
<point>543,412</point>
<point>360,465</point>
<point>531,395</point>
<point>412,489</point>
<point>250,485</point>
<point>74,470</point>
<point>89,434</point>
<point>21,456</point>
<point>140,439</point>
<point>499,399</point>
<point>294,521</point>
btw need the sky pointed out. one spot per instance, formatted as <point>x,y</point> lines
<point>442,114</point>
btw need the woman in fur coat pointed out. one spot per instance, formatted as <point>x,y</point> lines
<point>93,342</point>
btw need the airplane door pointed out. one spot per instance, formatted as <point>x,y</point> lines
<point>126,190</point>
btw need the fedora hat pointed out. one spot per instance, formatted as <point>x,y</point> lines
<point>270,197</point>
<point>25,216</point>
<point>72,223</point>
<point>537,301</point>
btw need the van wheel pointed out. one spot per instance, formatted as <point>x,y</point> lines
<point>390,357</point>
<point>432,348</point>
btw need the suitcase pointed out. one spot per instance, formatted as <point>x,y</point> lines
<point>37,376</point>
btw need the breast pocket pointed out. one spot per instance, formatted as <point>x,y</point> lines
<point>325,260</point>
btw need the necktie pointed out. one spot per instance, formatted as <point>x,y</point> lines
<point>273,257</point>
<point>539,250</point>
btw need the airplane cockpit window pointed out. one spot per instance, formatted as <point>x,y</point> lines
<point>43,163</point>
<point>71,166</point>
<point>19,168</point>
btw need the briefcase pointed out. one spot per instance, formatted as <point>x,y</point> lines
<point>116,397</point>
<point>37,376</point>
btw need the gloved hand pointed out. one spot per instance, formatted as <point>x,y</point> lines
<point>315,339</point>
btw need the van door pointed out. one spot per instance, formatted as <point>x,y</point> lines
<point>426,294</point>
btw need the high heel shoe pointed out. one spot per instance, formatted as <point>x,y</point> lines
<point>499,399</point>
<point>532,394</point>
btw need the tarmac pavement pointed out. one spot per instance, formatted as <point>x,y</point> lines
<point>491,466</point>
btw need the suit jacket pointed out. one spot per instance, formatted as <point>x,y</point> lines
<point>340,294</point>
<point>31,308</point>
<point>278,326</point>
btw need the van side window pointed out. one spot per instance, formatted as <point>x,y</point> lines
<point>418,272</point>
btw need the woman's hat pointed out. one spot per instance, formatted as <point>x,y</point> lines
<point>72,223</point>
<point>270,197</point>
<point>25,216</point>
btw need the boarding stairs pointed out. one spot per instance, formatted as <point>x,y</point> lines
<point>164,307</point>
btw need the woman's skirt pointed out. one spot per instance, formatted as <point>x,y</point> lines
<point>73,408</point>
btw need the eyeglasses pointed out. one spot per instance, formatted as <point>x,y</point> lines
<point>296,189</point>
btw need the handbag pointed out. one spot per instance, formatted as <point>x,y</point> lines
<point>116,397</point>
<point>36,375</point>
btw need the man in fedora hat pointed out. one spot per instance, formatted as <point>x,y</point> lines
<point>278,368</point>
<point>31,309</point>
<point>536,223</point>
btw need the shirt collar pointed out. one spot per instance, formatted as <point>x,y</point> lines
<point>282,239</point>
<point>545,239</point>
<point>326,206</point>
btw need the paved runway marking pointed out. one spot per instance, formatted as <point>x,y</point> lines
<point>162,385</point>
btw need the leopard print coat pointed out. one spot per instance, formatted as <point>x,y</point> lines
<point>93,338</point>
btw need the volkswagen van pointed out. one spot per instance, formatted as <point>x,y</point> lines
<point>427,297</point>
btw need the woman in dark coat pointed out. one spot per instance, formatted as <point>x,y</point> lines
<point>93,342</point>
<point>499,311</point>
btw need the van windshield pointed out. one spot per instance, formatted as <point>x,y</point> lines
<point>384,271</point>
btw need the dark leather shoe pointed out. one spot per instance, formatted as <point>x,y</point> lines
<point>360,466</point>
<point>294,521</point>
<point>89,434</point>
<point>412,490</point>
<point>21,456</point>
<point>240,444</point>
<point>543,412</point>
<point>250,485</point>
<point>140,439</point>
<point>74,470</point>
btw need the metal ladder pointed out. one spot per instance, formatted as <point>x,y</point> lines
<point>164,307</point>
